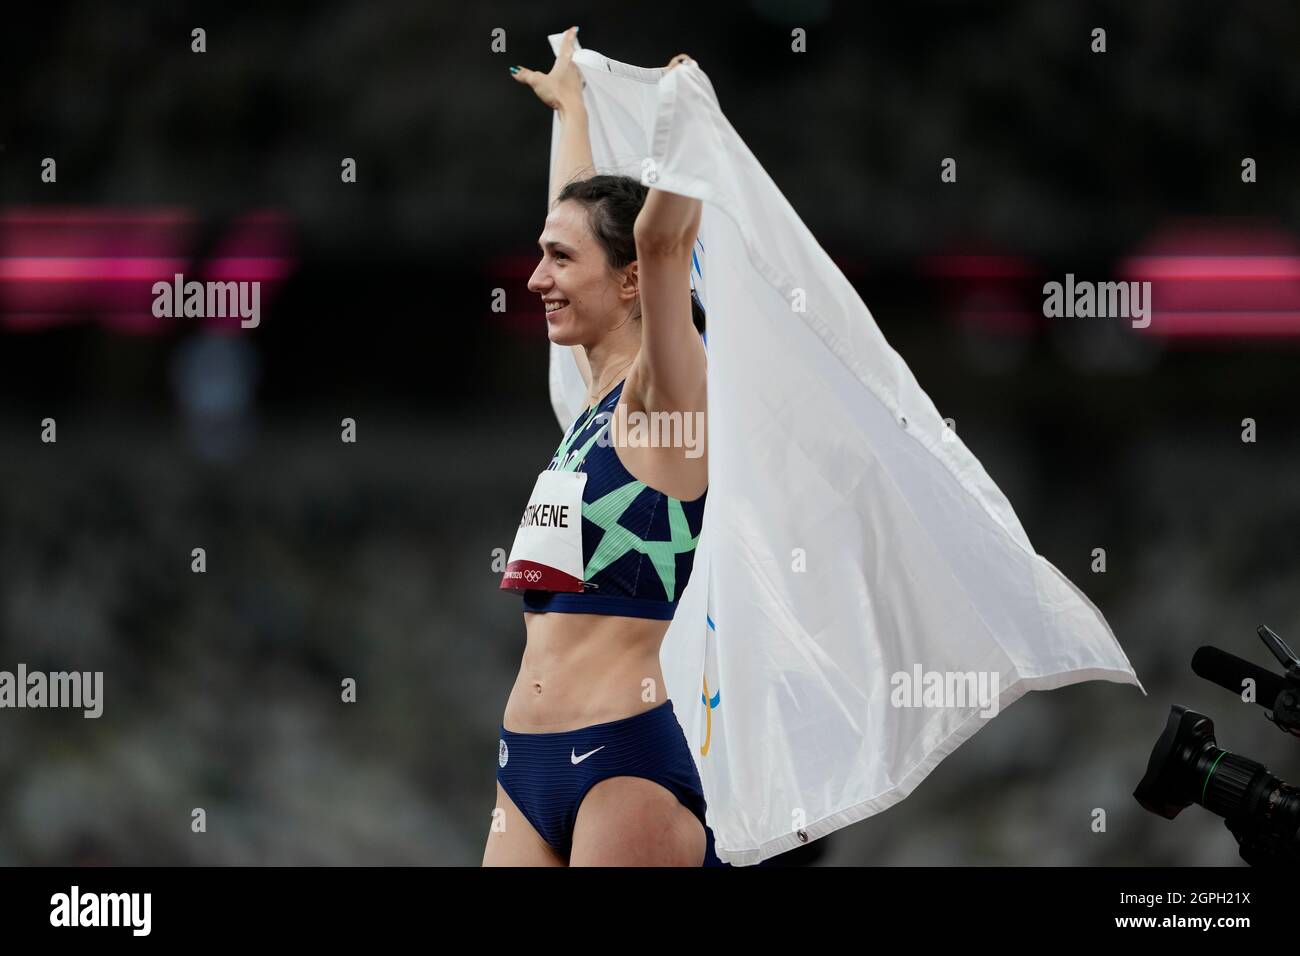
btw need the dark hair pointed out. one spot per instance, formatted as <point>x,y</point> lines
<point>612,204</point>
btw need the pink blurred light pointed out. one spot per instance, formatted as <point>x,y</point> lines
<point>1265,268</point>
<point>65,264</point>
<point>1219,280</point>
<point>100,269</point>
<point>1231,324</point>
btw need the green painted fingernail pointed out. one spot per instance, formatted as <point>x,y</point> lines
<point>514,69</point>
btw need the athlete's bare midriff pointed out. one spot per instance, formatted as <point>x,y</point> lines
<point>584,669</point>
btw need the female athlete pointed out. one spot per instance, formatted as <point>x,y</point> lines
<point>592,767</point>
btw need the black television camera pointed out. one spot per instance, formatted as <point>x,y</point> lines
<point>1186,765</point>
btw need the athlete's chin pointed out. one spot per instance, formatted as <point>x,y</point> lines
<point>562,333</point>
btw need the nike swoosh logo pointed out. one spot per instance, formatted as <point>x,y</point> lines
<point>573,754</point>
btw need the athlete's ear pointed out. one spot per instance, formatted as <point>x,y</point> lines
<point>631,284</point>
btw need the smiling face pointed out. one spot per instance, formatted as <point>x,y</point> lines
<point>583,298</point>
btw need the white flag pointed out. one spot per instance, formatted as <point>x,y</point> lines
<point>852,545</point>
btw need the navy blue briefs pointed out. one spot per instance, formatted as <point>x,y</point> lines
<point>547,775</point>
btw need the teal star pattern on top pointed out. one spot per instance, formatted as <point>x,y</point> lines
<point>617,541</point>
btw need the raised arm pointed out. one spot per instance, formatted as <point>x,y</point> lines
<point>672,359</point>
<point>574,160</point>
<point>561,89</point>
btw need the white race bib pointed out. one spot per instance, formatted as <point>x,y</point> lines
<point>547,553</point>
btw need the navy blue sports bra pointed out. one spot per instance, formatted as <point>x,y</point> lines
<point>638,544</point>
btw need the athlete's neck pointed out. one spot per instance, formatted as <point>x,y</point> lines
<point>609,361</point>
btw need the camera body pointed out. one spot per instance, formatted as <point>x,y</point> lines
<point>1187,766</point>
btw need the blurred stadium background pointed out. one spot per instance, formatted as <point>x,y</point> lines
<point>373,560</point>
